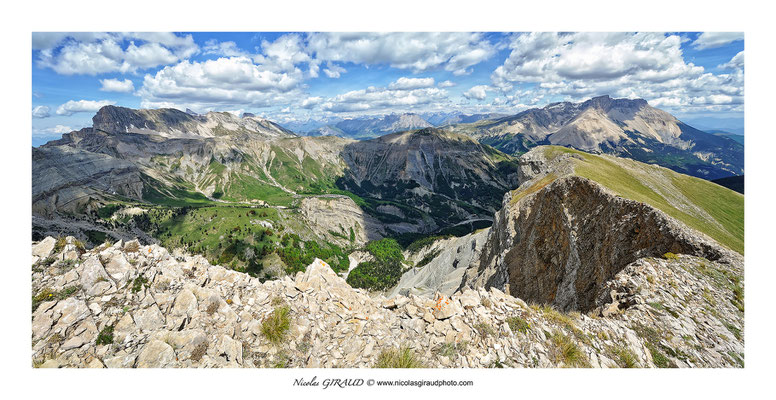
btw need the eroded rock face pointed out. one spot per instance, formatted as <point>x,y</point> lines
<point>341,215</point>
<point>183,312</point>
<point>561,244</point>
<point>449,259</point>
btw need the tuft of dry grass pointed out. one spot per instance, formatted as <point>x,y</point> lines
<point>403,357</point>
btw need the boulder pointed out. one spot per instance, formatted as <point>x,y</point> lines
<point>156,354</point>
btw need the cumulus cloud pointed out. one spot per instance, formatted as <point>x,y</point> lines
<point>419,52</point>
<point>41,112</point>
<point>72,106</point>
<point>311,102</point>
<point>478,92</point>
<point>405,83</point>
<point>58,129</point>
<point>710,40</point>
<point>115,85</point>
<point>642,65</point>
<point>382,98</point>
<point>225,49</point>
<point>224,81</point>
<point>97,53</point>
<point>51,131</point>
<point>737,62</point>
<point>333,71</point>
<point>446,84</point>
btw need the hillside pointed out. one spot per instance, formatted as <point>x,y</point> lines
<point>574,223</point>
<point>164,176</point>
<point>621,127</point>
<point>430,175</point>
<point>126,305</point>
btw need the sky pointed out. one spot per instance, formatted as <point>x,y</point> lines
<point>298,76</point>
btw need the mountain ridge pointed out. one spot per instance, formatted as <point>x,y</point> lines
<point>624,127</point>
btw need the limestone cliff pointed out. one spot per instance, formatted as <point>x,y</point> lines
<point>561,236</point>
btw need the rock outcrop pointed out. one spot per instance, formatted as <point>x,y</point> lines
<point>560,237</point>
<point>339,216</point>
<point>440,266</point>
<point>126,305</point>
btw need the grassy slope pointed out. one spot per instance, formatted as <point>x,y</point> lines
<point>678,194</point>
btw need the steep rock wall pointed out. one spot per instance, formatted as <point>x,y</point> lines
<point>560,244</point>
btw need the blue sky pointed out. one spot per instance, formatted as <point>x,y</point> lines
<point>298,76</point>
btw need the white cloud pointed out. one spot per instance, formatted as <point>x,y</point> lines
<point>478,92</point>
<point>423,51</point>
<point>41,112</point>
<point>283,54</point>
<point>59,129</point>
<point>226,49</point>
<point>405,83</point>
<point>224,81</point>
<point>383,99</point>
<point>710,40</point>
<point>577,66</point>
<point>446,84</point>
<point>72,106</point>
<point>97,53</point>
<point>115,85</point>
<point>311,102</point>
<point>737,62</point>
<point>51,131</point>
<point>333,70</point>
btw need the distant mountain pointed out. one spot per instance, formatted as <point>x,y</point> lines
<point>415,181</point>
<point>732,125</point>
<point>367,127</point>
<point>738,138</point>
<point>623,127</point>
<point>172,123</point>
<point>440,177</point>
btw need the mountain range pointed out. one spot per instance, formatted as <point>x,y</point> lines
<point>622,127</point>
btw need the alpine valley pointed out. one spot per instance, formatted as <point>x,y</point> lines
<point>577,234</point>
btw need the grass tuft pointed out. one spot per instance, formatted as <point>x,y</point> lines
<point>403,357</point>
<point>517,324</point>
<point>276,325</point>
<point>567,352</point>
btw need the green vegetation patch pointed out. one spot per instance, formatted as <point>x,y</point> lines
<point>276,325</point>
<point>567,352</point>
<point>517,324</point>
<point>46,294</point>
<point>725,206</point>
<point>382,273</point>
<point>403,357</point>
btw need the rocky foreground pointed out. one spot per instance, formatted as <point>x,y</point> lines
<point>128,305</point>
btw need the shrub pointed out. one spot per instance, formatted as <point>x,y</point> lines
<point>60,244</point>
<point>670,256</point>
<point>276,325</point>
<point>105,336</point>
<point>139,283</point>
<point>403,357</point>
<point>484,330</point>
<point>517,324</point>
